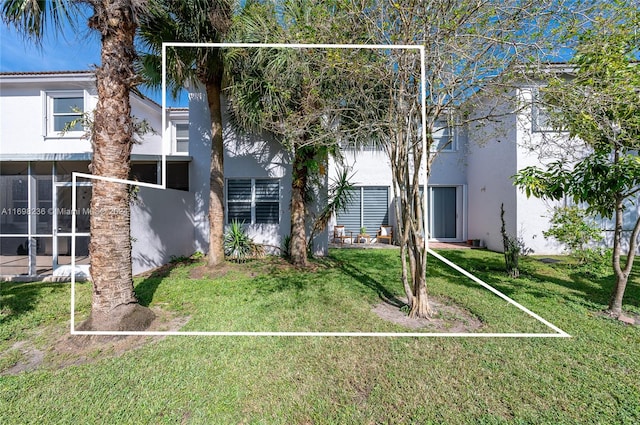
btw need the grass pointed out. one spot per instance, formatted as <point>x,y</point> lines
<point>594,377</point>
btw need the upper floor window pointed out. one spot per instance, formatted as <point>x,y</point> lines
<point>444,139</point>
<point>370,146</point>
<point>540,120</point>
<point>182,137</point>
<point>64,113</point>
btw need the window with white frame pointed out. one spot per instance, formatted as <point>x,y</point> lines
<point>540,120</point>
<point>253,201</point>
<point>444,139</point>
<point>182,137</point>
<point>64,113</point>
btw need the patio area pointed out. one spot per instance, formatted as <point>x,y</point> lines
<point>18,265</point>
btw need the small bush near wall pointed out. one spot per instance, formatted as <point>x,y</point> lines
<point>572,228</point>
<point>513,247</point>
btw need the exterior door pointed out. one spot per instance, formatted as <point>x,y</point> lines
<point>444,213</point>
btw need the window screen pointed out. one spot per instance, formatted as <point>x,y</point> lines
<point>67,110</point>
<point>239,200</point>
<point>253,201</point>
<point>267,204</point>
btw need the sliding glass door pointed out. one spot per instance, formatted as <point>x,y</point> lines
<point>445,213</point>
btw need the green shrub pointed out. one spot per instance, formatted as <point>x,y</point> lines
<point>238,246</point>
<point>595,262</point>
<point>513,248</point>
<point>571,227</point>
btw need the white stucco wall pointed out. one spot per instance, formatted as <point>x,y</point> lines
<point>23,118</point>
<point>492,160</point>
<point>200,151</point>
<point>161,227</point>
<point>150,143</point>
<point>24,114</point>
<point>254,156</point>
<point>533,214</point>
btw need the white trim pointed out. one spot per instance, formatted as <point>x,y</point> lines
<point>50,95</point>
<point>174,136</point>
<point>460,212</point>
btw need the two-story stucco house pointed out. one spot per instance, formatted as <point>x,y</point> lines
<point>470,179</point>
<point>38,153</point>
<point>37,158</point>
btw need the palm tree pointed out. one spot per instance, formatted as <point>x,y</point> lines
<point>297,95</point>
<point>193,21</point>
<point>114,305</point>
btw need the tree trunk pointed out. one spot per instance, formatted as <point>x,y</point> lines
<point>622,275</point>
<point>615,303</point>
<point>420,307</point>
<point>114,305</point>
<point>299,186</point>
<point>216,176</point>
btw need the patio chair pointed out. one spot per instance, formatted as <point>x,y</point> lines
<point>385,232</point>
<point>340,233</point>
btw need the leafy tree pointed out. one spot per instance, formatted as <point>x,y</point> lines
<point>114,305</point>
<point>599,106</point>
<point>474,53</point>
<point>196,21</point>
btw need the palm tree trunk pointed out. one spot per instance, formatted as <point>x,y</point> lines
<point>299,184</point>
<point>114,305</point>
<point>216,176</point>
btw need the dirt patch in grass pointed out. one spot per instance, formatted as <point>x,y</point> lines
<point>205,271</point>
<point>269,264</point>
<point>30,358</point>
<point>630,318</point>
<point>63,349</point>
<point>447,317</point>
<point>627,317</point>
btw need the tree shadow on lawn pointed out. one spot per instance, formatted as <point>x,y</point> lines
<point>366,278</point>
<point>577,286</point>
<point>323,270</point>
<point>267,275</point>
<point>147,287</point>
<point>19,298</point>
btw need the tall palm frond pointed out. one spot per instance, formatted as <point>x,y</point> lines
<point>195,21</point>
<point>32,17</point>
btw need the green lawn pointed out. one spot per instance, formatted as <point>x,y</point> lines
<point>593,377</point>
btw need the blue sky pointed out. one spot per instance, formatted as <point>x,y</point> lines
<point>77,50</point>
